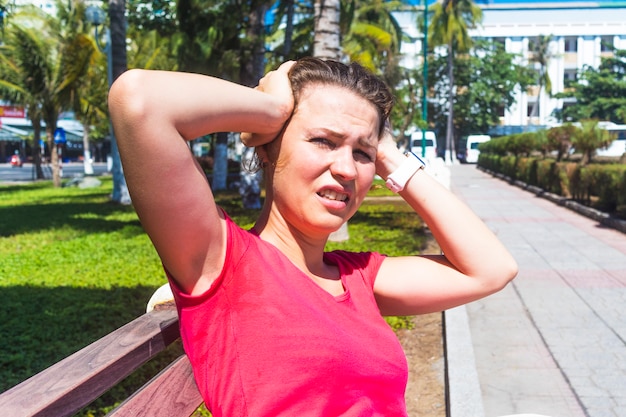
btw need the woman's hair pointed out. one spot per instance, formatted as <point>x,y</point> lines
<point>354,77</point>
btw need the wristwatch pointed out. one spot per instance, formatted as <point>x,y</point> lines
<point>398,178</point>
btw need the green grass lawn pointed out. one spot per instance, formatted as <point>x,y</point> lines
<point>74,266</point>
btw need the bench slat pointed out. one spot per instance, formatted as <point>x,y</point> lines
<point>69,385</point>
<point>173,392</point>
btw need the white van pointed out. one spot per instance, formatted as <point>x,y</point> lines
<point>430,145</point>
<point>471,149</point>
<point>618,146</point>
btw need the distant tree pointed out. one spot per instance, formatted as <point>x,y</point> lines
<point>372,35</point>
<point>150,50</point>
<point>406,111</point>
<point>540,56</point>
<point>14,83</point>
<point>293,40</point>
<point>449,26</point>
<point>87,97</point>
<point>486,80</point>
<point>43,62</point>
<point>153,15</point>
<point>591,137</point>
<point>600,93</point>
<point>560,139</point>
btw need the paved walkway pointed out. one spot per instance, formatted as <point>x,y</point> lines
<point>554,341</point>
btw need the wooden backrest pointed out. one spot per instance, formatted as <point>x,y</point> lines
<point>71,384</point>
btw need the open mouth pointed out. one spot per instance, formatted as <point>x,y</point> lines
<point>333,195</point>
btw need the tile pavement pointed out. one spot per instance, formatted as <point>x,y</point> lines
<point>554,341</point>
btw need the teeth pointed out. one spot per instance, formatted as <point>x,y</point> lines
<point>332,195</point>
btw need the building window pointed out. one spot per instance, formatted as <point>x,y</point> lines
<point>569,77</point>
<point>606,43</point>
<point>571,44</point>
<point>529,110</point>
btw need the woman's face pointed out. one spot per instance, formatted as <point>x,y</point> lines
<point>325,163</point>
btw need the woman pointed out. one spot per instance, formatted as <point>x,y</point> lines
<point>272,324</point>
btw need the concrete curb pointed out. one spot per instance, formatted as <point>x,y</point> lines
<point>463,395</point>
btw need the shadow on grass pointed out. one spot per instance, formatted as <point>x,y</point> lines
<point>86,216</point>
<point>40,326</point>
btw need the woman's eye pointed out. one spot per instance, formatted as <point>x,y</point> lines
<point>323,142</point>
<point>365,155</point>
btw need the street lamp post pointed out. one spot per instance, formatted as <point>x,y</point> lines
<point>425,79</point>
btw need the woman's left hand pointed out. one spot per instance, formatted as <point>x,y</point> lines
<point>388,156</point>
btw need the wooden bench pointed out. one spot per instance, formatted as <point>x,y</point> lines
<point>71,384</point>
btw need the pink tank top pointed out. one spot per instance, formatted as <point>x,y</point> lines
<point>266,340</point>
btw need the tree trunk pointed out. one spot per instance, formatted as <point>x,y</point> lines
<point>288,29</point>
<point>250,182</point>
<point>253,68</point>
<point>88,166</point>
<point>116,66</point>
<point>535,108</point>
<point>249,190</point>
<point>449,155</point>
<point>220,162</point>
<point>55,150</point>
<point>38,172</point>
<point>54,163</point>
<point>327,42</point>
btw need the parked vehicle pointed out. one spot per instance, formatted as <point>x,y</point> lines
<point>472,152</point>
<point>430,145</point>
<point>16,161</point>
<point>618,146</point>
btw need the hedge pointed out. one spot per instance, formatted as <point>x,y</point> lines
<point>602,186</point>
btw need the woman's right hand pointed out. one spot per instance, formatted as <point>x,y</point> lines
<point>277,84</point>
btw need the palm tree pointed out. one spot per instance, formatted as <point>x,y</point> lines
<point>540,55</point>
<point>449,26</point>
<point>88,96</point>
<point>589,137</point>
<point>17,49</point>
<point>48,62</point>
<point>372,34</point>
<point>327,33</point>
<point>293,40</point>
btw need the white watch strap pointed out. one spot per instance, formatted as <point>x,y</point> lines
<point>398,178</point>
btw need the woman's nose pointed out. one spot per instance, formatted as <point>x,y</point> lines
<point>343,164</point>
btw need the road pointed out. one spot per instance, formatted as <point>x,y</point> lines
<point>9,174</point>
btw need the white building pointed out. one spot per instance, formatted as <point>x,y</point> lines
<point>582,33</point>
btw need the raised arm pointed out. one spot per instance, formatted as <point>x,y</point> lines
<point>474,262</point>
<point>154,113</point>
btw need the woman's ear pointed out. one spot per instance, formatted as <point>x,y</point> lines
<point>268,153</point>
<point>262,154</point>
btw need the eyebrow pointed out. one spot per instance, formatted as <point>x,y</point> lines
<point>339,135</point>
